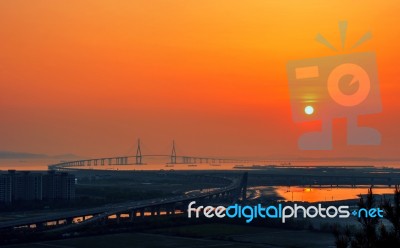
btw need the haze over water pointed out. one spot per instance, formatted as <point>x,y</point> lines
<point>161,164</point>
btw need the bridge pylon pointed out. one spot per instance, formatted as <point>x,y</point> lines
<point>138,153</point>
<point>173,153</point>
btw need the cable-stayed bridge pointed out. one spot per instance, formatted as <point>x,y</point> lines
<point>140,159</point>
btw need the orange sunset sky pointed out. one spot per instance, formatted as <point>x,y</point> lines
<point>90,77</point>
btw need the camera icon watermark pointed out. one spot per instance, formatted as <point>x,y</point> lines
<point>341,86</point>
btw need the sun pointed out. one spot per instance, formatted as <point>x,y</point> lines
<point>309,110</point>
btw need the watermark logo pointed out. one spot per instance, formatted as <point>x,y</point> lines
<point>341,86</point>
<point>249,213</point>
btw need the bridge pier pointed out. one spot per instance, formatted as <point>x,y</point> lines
<point>142,212</point>
<point>170,210</point>
<point>40,225</point>
<point>69,221</point>
<point>243,186</point>
<point>132,215</point>
<point>118,217</point>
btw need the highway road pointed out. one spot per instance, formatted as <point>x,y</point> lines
<point>99,213</point>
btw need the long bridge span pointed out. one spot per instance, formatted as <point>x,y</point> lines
<point>139,159</point>
<point>171,159</point>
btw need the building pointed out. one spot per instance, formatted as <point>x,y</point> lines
<point>32,186</point>
<point>5,189</point>
<point>58,186</point>
<point>26,186</point>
